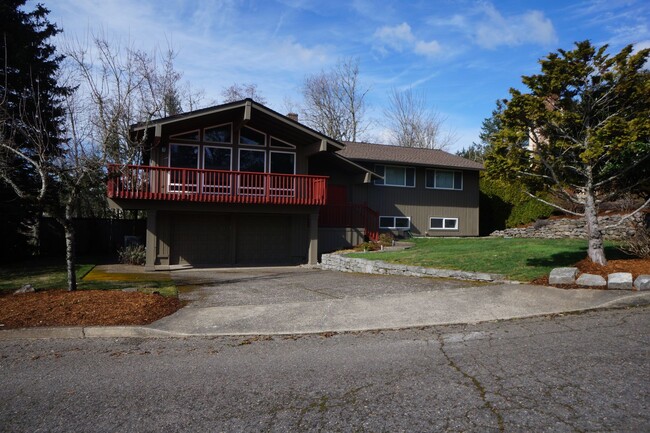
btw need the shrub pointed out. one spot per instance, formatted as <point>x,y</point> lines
<point>132,255</point>
<point>504,204</point>
<point>639,244</point>
<point>367,246</point>
<point>386,239</point>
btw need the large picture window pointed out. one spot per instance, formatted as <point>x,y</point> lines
<point>395,222</point>
<point>183,156</point>
<point>283,162</point>
<point>436,223</point>
<point>395,176</point>
<point>444,179</point>
<point>252,160</point>
<point>217,158</point>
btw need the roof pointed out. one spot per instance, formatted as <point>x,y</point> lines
<point>406,155</point>
<point>244,103</point>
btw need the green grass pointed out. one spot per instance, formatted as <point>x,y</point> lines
<point>516,259</point>
<point>50,275</point>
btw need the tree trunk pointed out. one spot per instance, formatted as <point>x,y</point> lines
<point>70,254</point>
<point>596,250</point>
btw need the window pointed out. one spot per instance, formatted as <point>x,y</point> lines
<point>189,136</point>
<point>395,176</point>
<point>281,144</point>
<point>436,223</point>
<point>217,158</point>
<point>444,179</point>
<point>183,156</point>
<point>251,137</point>
<point>394,222</point>
<point>252,160</point>
<point>283,162</point>
<point>218,134</point>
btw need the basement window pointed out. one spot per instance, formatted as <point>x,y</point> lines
<point>436,223</point>
<point>394,222</point>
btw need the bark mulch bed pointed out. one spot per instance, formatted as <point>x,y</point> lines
<point>635,266</point>
<point>83,308</point>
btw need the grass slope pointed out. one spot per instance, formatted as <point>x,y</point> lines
<point>517,259</point>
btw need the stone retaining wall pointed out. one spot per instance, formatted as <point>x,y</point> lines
<point>574,228</point>
<point>339,262</point>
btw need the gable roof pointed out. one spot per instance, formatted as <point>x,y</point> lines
<point>248,105</point>
<point>371,152</point>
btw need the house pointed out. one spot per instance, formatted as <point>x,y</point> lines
<point>242,184</point>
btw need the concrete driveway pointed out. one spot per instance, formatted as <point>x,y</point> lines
<point>281,285</point>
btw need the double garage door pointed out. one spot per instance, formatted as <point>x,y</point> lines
<point>228,239</point>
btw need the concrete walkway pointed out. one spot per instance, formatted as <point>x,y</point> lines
<point>222,302</point>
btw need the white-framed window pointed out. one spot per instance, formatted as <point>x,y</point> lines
<point>282,162</point>
<point>444,179</point>
<point>218,134</point>
<point>280,144</point>
<point>189,135</point>
<point>217,158</point>
<point>395,222</point>
<point>252,161</point>
<point>251,137</point>
<point>394,175</point>
<point>437,223</point>
<point>183,156</point>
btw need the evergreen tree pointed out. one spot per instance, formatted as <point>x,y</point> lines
<point>30,116</point>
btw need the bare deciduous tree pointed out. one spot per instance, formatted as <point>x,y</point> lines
<point>126,86</point>
<point>237,92</point>
<point>413,124</point>
<point>335,101</point>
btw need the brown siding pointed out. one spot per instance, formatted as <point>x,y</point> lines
<point>421,203</point>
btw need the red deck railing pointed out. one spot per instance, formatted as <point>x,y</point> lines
<point>185,184</point>
<point>350,215</point>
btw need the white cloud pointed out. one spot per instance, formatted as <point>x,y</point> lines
<point>401,38</point>
<point>489,28</point>
<point>530,27</point>
<point>397,37</point>
<point>428,48</point>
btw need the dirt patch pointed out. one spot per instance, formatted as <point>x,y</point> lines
<point>83,308</point>
<point>634,266</point>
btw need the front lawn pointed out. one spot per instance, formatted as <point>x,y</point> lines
<point>48,274</point>
<point>516,259</point>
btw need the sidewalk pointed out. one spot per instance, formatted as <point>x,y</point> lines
<point>388,311</point>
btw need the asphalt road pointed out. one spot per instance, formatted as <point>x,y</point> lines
<point>587,372</point>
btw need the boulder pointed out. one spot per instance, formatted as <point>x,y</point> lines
<point>591,280</point>
<point>619,281</point>
<point>642,282</point>
<point>563,276</point>
<point>27,288</point>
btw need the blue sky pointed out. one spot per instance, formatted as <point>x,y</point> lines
<point>464,55</point>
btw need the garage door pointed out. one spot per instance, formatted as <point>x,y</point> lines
<point>263,239</point>
<point>199,239</point>
<point>208,239</point>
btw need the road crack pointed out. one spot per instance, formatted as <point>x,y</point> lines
<point>475,382</point>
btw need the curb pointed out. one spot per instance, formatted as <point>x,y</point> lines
<point>633,300</point>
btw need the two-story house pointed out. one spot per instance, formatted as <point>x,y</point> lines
<point>242,184</point>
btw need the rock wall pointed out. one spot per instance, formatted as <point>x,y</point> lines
<point>574,228</point>
<point>341,263</point>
